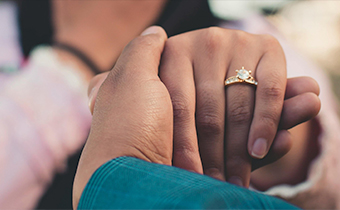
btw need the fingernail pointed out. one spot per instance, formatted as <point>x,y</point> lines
<point>91,95</point>
<point>235,180</point>
<point>150,30</point>
<point>259,148</point>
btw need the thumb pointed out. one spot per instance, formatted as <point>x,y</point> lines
<point>142,53</point>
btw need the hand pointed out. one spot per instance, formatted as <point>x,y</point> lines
<point>133,113</point>
<point>181,76</point>
<point>225,129</point>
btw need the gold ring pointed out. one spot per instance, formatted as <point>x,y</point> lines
<point>242,76</point>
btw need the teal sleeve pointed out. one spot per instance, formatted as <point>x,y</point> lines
<point>130,183</point>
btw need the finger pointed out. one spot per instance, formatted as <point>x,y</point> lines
<point>144,50</point>
<point>299,109</point>
<point>142,53</point>
<point>282,144</point>
<point>176,73</point>
<point>299,85</point>
<point>93,88</point>
<point>296,110</point>
<point>269,101</point>
<point>134,80</point>
<point>210,71</point>
<point>239,113</point>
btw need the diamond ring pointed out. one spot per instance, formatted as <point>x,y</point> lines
<point>243,76</point>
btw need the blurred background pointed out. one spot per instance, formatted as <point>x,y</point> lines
<point>312,28</point>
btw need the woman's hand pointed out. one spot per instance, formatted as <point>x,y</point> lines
<point>194,66</point>
<point>133,113</point>
<point>225,129</point>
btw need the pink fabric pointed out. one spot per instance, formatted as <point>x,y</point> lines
<point>44,118</point>
<point>10,54</point>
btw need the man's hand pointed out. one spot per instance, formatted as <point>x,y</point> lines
<point>133,112</point>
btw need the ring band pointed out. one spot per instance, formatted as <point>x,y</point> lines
<point>243,76</point>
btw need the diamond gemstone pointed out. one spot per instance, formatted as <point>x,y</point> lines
<point>243,74</point>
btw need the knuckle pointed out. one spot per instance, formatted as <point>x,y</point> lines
<point>115,76</point>
<point>210,109</point>
<point>270,42</point>
<point>216,172</point>
<point>243,38</point>
<point>270,120</point>
<point>209,115</point>
<point>273,92</point>
<point>172,47</point>
<point>209,123</point>
<point>235,161</point>
<point>269,39</point>
<point>213,37</point>
<point>239,113</point>
<point>172,41</point>
<point>184,147</point>
<point>182,108</point>
<point>151,42</point>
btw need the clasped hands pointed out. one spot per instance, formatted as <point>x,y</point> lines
<point>165,102</point>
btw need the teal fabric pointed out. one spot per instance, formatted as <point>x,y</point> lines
<point>130,183</point>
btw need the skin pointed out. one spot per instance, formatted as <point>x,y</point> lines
<point>293,167</point>
<point>299,103</point>
<point>225,129</point>
<point>87,27</point>
<point>134,94</point>
<point>225,119</point>
<point>101,29</point>
<point>192,68</point>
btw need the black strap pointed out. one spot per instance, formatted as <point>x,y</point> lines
<point>80,55</point>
